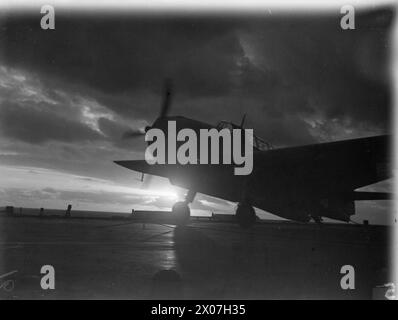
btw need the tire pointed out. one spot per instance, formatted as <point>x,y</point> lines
<point>245,215</point>
<point>181,212</point>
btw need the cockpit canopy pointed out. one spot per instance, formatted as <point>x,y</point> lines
<point>258,143</point>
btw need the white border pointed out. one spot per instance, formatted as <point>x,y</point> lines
<point>195,5</point>
<point>394,79</point>
<point>240,6</point>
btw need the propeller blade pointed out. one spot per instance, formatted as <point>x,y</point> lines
<point>166,99</point>
<point>243,121</point>
<point>133,133</point>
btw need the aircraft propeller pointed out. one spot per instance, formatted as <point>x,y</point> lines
<point>166,98</point>
<point>166,102</point>
<point>164,110</point>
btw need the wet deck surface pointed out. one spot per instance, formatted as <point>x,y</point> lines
<point>105,258</point>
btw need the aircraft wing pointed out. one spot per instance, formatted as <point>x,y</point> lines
<point>341,166</point>
<point>142,166</point>
<point>320,179</point>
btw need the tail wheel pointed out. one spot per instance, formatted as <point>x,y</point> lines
<point>245,215</point>
<point>181,212</point>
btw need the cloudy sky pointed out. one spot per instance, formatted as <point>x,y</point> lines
<point>67,95</point>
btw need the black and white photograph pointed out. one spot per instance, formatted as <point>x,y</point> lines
<point>189,151</point>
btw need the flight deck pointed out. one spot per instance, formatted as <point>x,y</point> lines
<point>98,257</point>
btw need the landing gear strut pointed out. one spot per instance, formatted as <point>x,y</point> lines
<point>245,215</point>
<point>317,219</point>
<point>181,210</point>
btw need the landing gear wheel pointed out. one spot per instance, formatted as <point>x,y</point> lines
<point>317,219</point>
<point>181,212</point>
<point>245,215</point>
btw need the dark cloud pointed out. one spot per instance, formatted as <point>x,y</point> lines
<point>291,68</point>
<point>36,125</point>
<point>327,71</point>
<point>117,54</point>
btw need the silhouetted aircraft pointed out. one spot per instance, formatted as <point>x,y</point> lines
<point>296,183</point>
